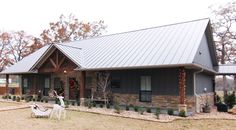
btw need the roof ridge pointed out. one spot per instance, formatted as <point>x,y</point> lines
<point>140,29</point>
<point>64,44</point>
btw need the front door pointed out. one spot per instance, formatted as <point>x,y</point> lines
<point>73,88</point>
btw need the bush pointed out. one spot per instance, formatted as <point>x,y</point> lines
<point>218,99</point>
<point>117,109</point>
<point>38,99</point>
<point>14,98</point>
<point>46,100</point>
<point>149,110</point>
<point>88,103</point>
<point>34,100</point>
<point>72,103</point>
<point>9,97</point>
<point>101,105</point>
<point>78,103</point>
<point>127,108</point>
<point>222,107</point>
<point>170,111</point>
<point>182,113</point>
<point>18,99</point>
<point>136,108</point>
<point>158,112</point>
<point>230,99</point>
<point>67,103</point>
<point>108,106</point>
<point>22,98</point>
<point>41,100</point>
<point>141,110</point>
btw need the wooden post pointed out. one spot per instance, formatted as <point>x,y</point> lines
<point>182,87</point>
<point>7,84</point>
<point>82,87</point>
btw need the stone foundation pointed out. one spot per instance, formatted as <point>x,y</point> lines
<point>201,100</point>
<point>163,101</point>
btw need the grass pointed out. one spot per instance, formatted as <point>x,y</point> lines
<point>89,121</point>
<point>5,104</point>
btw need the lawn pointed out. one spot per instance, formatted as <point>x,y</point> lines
<point>5,104</point>
<point>21,120</point>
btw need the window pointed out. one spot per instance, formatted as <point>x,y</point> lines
<point>89,82</point>
<point>115,82</point>
<point>46,86</point>
<point>145,89</point>
<point>25,83</point>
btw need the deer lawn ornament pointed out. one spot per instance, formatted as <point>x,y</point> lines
<point>58,110</point>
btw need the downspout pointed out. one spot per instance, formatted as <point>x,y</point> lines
<point>197,107</point>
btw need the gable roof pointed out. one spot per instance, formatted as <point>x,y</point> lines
<point>163,46</point>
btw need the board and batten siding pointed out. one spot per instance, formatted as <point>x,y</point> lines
<point>163,81</point>
<point>203,56</point>
<point>204,80</point>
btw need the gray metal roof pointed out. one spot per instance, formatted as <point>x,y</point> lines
<point>26,63</point>
<point>226,69</point>
<point>160,46</point>
<point>163,46</point>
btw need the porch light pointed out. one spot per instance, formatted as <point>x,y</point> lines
<point>64,71</point>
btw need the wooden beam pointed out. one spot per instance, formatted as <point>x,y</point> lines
<point>82,84</point>
<point>57,59</point>
<point>7,84</point>
<point>60,63</point>
<point>53,63</point>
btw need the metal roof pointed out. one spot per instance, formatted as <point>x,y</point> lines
<point>164,46</point>
<point>26,63</point>
<point>160,46</point>
<point>226,69</point>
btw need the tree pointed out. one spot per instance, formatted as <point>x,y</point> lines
<point>15,46</point>
<point>223,25</point>
<point>70,29</point>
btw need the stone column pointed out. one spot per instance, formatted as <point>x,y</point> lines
<point>7,84</point>
<point>182,86</point>
<point>82,87</point>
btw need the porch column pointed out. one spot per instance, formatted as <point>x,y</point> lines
<point>182,86</point>
<point>82,87</point>
<point>35,85</point>
<point>7,84</point>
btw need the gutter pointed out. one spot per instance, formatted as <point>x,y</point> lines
<point>194,90</point>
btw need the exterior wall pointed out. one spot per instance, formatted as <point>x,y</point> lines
<point>163,81</point>
<point>203,56</point>
<point>203,98</point>
<point>204,81</point>
<point>162,101</point>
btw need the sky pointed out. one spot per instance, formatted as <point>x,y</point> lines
<point>33,16</point>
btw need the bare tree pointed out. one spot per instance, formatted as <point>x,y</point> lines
<point>103,83</point>
<point>70,29</point>
<point>223,25</point>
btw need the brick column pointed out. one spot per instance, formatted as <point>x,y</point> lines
<point>7,84</point>
<point>82,87</point>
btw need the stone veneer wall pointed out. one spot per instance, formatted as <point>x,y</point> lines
<point>162,101</point>
<point>202,98</point>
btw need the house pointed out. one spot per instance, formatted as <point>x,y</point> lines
<point>168,66</point>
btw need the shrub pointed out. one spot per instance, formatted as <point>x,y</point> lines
<point>33,99</point>
<point>158,112</point>
<point>108,106</point>
<point>38,99</point>
<point>9,97</point>
<point>46,100</point>
<point>3,97</point>
<point>141,110</point>
<point>14,98</point>
<point>18,99</point>
<point>67,103</point>
<point>41,100</point>
<point>78,103</point>
<point>170,111</point>
<point>101,105</point>
<point>117,109</point>
<point>182,113</point>
<point>149,110</point>
<point>72,103</point>
<point>88,103</point>
<point>22,98</point>
<point>230,99</point>
<point>127,108</point>
<point>218,99</point>
<point>136,108</point>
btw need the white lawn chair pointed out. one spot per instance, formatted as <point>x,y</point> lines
<point>39,111</point>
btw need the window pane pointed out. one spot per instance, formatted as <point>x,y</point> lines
<point>46,85</point>
<point>25,83</point>
<point>146,83</point>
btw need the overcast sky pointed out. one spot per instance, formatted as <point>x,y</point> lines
<point>119,15</point>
